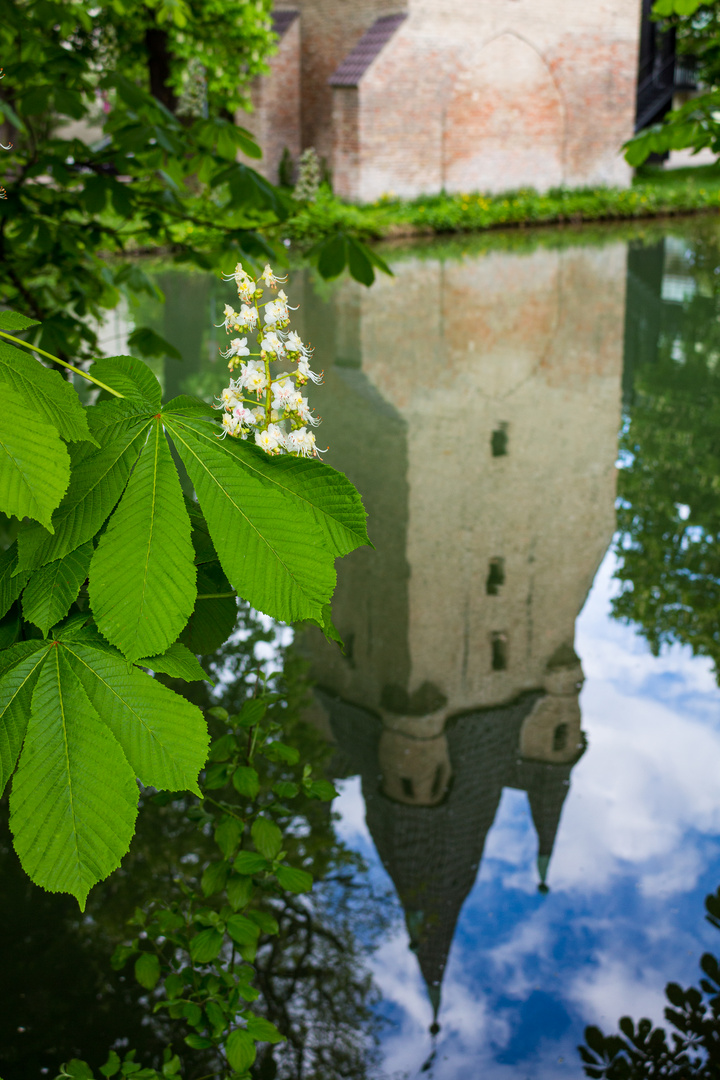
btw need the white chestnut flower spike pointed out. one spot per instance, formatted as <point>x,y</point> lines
<point>277,416</point>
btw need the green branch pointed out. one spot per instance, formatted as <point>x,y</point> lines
<point>57,360</point>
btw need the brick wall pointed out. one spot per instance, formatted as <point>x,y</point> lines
<point>493,95</point>
<point>275,120</point>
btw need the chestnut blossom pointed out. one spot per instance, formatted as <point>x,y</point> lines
<point>280,421</point>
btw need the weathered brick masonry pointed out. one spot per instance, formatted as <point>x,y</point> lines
<point>464,95</point>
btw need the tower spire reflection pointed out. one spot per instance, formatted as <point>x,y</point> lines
<point>475,404</point>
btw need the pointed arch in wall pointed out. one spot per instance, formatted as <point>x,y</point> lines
<point>504,120</point>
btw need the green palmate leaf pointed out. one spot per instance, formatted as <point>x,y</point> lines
<point>163,736</point>
<point>215,612</point>
<point>142,576</point>
<point>131,378</point>
<point>270,546</point>
<point>16,685</point>
<point>178,662</point>
<point>240,1050</point>
<point>34,463</point>
<point>329,496</point>
<point>52,589</point>
<point>74,798</point>
<point>52,398</point>
<point>97,483</point>
<point>11,584</point>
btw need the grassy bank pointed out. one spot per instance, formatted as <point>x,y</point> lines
<point>654,193</point>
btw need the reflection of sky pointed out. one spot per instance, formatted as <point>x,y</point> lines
<point>636,853</point>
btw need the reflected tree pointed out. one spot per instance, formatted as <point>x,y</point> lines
<point>313,980</point>
<point>691,1048</point>
<point>669,483</point>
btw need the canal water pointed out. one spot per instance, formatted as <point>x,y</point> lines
<point>525,726</point>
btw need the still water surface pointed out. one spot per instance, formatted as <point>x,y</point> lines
<point>535,794</point>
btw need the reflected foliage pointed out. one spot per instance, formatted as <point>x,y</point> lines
<point>669,510</point>
<point>312,980</point>
<point>690,1049</point>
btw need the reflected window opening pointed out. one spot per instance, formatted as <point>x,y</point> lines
<point>437,782</point>
<point>407,787</point>
<point>499,651</point>
<point>499,441</point>
<point>560,738</point>
<point>496,577</point>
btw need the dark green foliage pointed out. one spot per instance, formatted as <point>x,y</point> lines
<point>690,1049</point>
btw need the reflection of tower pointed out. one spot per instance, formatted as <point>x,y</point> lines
<point>475,404</point>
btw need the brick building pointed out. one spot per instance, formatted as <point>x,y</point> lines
<point>415,96</point>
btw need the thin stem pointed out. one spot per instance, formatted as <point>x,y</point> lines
<point>57,360</point>
<point>215,595</point>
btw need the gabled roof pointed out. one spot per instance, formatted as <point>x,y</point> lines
<point>369,46</point>
<point>283,20</point>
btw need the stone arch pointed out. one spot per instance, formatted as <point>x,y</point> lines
<point>504,120</point>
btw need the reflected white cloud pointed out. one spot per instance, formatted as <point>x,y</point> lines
<point>632,862</point>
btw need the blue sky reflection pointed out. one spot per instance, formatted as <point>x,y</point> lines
<point>636,852</point>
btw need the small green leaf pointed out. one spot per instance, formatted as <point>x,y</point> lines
<point>263,1030</point>
<point>198,1042</point>
<point>295,881</point>
<point>247,862</point>
<point>142,576</point>
<point>147,970</point>
<point>240,1050</point>
<point>269,546</point>
<point>322,789</point>
<point>285,789</point>
<point>206,945</point>
<point>267,838</point>
<point>74,798</point>
<point>174,986</point>
<point>239,891</point>
<point>78,1070</point>
<point>266,922</point>
<point>277,751</point>
<point>227,835</point>
<point>12,321</point>
<point>243,931</point>
<point>178,662</point>
<point>327,494</point>
<point>149,343</point>
<point>332,256</point>
<point>34,463</point>
<point>11,584</point>
<point>214,878</point>
<point>359,263</point>
<point>55,586</point>
<point>120,957</point>
<point>16,686</point>
<point>53,398</point>
<point>212,620</point>
<point>111,1066</point>
<point>246,781</point>
<point>98,480</point>
<point>163,735</point>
